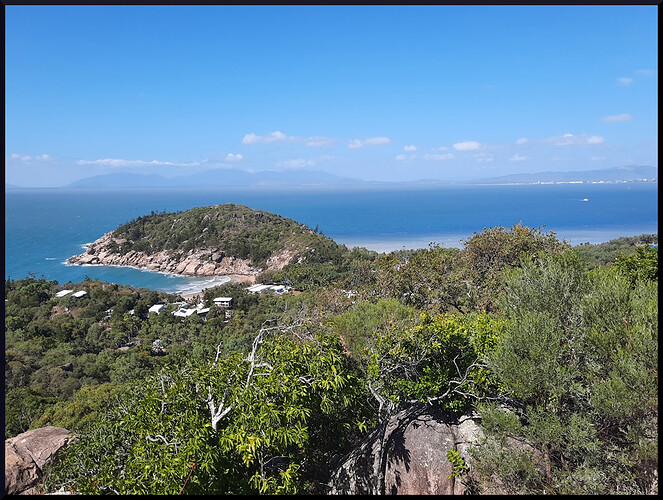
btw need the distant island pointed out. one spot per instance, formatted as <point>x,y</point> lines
<point>220,240</point>
<point>235,178</point>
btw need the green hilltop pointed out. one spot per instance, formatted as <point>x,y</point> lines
<point>229,229</point>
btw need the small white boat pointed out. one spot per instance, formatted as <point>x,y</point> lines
<point>585,199</point>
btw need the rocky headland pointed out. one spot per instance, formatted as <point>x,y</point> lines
<point>198,262</point>
<point>222,240</point>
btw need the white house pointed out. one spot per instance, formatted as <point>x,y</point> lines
<point>62,293</point>
<point>263,288</point>
<point>80,294</point>
<point>202,311</point>
<point>156,308</point>
<point>184,313</point>
<point>226,302</point>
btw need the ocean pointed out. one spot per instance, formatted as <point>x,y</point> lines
<point>44,227</point>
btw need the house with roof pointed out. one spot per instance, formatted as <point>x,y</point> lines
<point>277,289</point>
<point>156,308</point>
<point>184,313</point>
<point>79,294</point>
<point>62,293</point>
<point>224,302</point>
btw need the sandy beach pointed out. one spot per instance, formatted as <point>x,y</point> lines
<point>196,295</point>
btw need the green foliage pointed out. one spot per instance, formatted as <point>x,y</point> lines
<point>641,265</point>
<point>579,359</point>
<point>496,250</point>
<point>460,468</point>
<point>225,230</point>
<point>22,407</point>
<point>291,402</point>
<point>569,350</point>
<point>438,360</point>
<point>358,326</point>
<point>601,254</point>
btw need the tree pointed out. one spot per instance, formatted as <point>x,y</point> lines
<point>641,265</point>
<point>578,363</point>
<point>242,423</point>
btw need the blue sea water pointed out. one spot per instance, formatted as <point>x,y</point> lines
<point>44,227</point>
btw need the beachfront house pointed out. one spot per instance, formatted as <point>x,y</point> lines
<point>62,293</point>
<point>80,294</point>
<point>224,302</point>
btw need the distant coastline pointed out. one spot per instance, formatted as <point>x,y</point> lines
<point>308,179</point>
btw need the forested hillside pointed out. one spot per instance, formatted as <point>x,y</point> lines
<point>265,240</point>
<point>555,347</point>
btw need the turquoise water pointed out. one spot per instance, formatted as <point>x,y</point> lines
<point>43,227</point>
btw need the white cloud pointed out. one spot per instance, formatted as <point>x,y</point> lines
<point>518,157</point>
<point>318,141</point>
<point>570,139</point>
<point>372,141</point>
<point>119,162</point>
<point>230,157</point>
<point>410,148</point>
<point>438,157</point>
<point>645,72</point>
<point>276,136</point>
<point>28,158</point>
<point>481,157</point>
<point>441,148</point>
<point>624,80</point>
<point>295,163</point>
<point>467,146</point>
<point>624,117</point>
<point>598,158</point>
<point>401,157</point>
<point>522,140</point>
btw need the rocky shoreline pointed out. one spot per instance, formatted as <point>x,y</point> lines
<point>200,262</point>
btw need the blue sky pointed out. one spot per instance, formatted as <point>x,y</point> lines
<point>369,92</point>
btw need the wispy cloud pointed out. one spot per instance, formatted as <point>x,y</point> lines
<point>230,157</point>
<point>598,158</point>
<point>410,148</point>
<point>645,72</point>
<point>624,117</point>
<point>119,162</point>
<point>518,157</point>
<point>276,136</point>
<point>295,163</point>
<point>522,140</point>
<point>372,141</point>
<point>570,139</point>
<point>318,141</point>
<point>438,157</point>
<point>467,146</point>
<point>30,158</point>
<point>483,157</point>
<point>625,80</point>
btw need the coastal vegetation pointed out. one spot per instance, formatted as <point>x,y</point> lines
<point>554,346</point>
<point>229,230</point>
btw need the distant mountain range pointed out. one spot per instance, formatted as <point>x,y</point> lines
<point>214,178</point>
<point>309,178</point>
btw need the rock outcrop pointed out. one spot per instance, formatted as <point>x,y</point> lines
<point>408,456</point>
<point>202,262</point>
<point>27,454</point>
